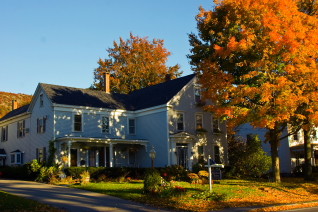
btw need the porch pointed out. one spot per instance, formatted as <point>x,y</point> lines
<point>298,155</point>
<point>100,152</point>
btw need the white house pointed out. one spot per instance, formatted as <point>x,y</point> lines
<point>99,128</point>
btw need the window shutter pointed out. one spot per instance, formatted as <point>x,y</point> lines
<point>22,154</point>
<point>18,129</point>
<point>44,124</point>
<point>44,153</point>
<point>37,125</point>
<point>37,153</point>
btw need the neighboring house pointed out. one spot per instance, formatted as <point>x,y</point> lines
<point>291,149</point>
<point>97,128</point>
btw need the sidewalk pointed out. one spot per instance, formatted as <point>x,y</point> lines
<point>69,199</point>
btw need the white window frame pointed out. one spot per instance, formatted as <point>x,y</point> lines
<point>183,121</point>
<point>129,126</point>
<point>102,125</point>
<point>15,157</point>
<point>78,114</point>
<point>196,121</point>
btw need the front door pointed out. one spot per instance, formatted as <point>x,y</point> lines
<point>73,157</point>
<point>182,155</point>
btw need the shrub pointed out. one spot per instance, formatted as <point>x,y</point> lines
<point>175,172</point>
<point>153,182</point>
<point>17,172</point>
<point>248,159</point>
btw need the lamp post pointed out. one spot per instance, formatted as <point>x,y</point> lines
<point>152,155</point>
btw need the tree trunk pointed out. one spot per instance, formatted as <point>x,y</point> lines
<point>274,141</point>
<point>307,152</point>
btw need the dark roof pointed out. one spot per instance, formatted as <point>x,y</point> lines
<point>144,98</point>
<point>157,94</point>
<point>83,97</point>
<point>16,112</point>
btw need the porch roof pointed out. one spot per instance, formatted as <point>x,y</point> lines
<point>103,140</point>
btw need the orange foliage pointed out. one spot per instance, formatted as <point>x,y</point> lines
<point>264,59</point>
<point>134,64</point>
<point>6,101</point>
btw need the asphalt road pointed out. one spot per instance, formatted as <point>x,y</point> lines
<point>69,199</point>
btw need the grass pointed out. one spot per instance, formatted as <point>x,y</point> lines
<point>9,202</point>
<point>227,193</point>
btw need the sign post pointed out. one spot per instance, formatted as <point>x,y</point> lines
<point>210,172</point>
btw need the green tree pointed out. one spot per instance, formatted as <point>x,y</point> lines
<point>247,158</point>
<point>135,63</point>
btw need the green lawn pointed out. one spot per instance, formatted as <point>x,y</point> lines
<point>9,202</point>
<point>228,193</point>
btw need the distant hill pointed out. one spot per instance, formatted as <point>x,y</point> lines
<point>6,101</point>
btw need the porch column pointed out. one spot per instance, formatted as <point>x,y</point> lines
<point>87,158</point>
<point>105,160</point>
<point>97,158</point>
<point>111,157</point>
<point>69,144</point>
<point>313,157</point>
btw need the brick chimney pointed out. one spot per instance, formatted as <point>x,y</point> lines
<point>14,104</point>
<point>106,82</point>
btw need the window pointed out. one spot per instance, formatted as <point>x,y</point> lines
<point>41,154</point>
<point>295,137</point>
<point>200,154</point>
<point>199,121</point>
<point>4,133</point>
<point>197,95</point>
<point>132,126</point>
<point>217,157</point>
<point>78,123</point>
<point>41,125</point>
<point>41,100</point>
<point>16,157</point>
<point>21,129</point>
<point>216,125</point>
<point>180,122</point>
<point>105,124</point>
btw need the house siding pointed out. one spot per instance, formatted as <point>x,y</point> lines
<point>185,102</point>
<point>283,149</point>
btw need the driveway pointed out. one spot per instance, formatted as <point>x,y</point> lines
<point>70,199</point>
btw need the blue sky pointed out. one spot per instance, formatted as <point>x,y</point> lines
<point>59,42</point>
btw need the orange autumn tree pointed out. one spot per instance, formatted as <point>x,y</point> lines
<point>255,59</point>
<point>135,63</point>
<point>307,110</point>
